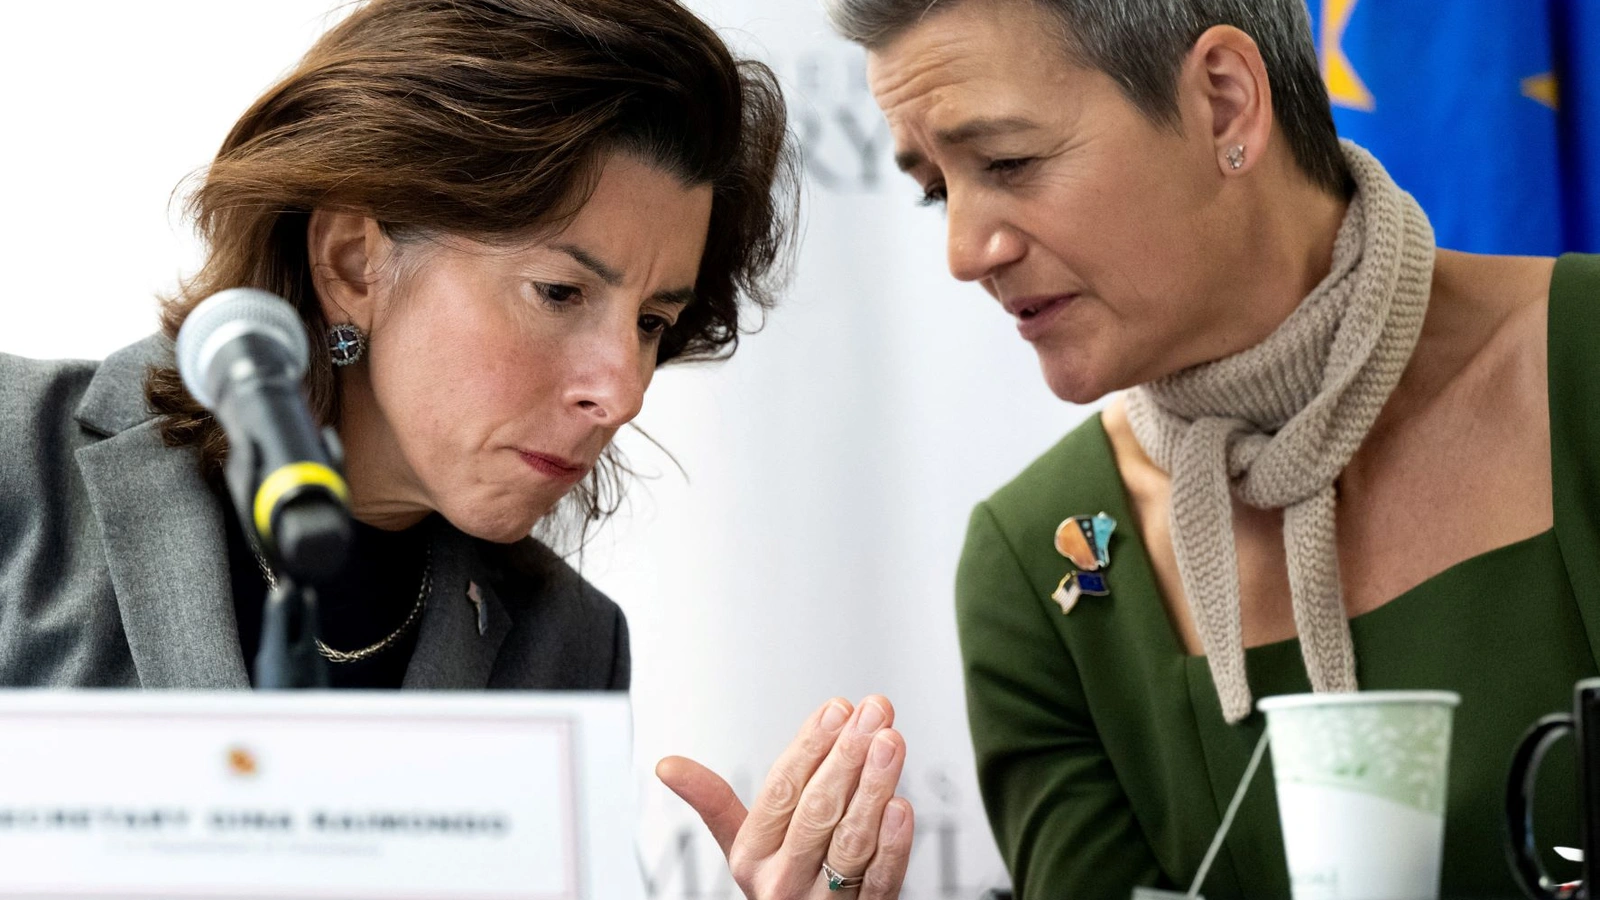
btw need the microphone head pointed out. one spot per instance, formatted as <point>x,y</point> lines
<point>227,316</point>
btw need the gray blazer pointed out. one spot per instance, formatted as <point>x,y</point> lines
<point>114,561</point>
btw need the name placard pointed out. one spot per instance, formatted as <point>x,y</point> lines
<point>317,794</point>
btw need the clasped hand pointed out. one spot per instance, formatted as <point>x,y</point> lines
<point>829,798</point>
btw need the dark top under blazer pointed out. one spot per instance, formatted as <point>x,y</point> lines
<point>114,564</point>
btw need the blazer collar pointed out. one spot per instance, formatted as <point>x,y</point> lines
<point>114,401</point>
<point>166,546</point>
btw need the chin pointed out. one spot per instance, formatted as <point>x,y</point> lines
<point>1070,379</point>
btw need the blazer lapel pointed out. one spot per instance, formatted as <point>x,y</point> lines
<point>166,547</point>
<point>465,622</point>
<point>164,542</point>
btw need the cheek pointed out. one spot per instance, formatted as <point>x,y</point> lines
<point>647,371</point>
<point>1129,210</point>
<point>449,378</point>
<point>1141,256</point>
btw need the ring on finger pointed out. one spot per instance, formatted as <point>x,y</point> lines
<point>838,882</point>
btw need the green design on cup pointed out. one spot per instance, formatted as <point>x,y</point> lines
<point>1397,751</point>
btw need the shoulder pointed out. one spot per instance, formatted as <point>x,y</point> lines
<point>1483,347</point>
<point>1574,365</point>
<point>567,633</point>
<point>1511,371</point>
<point>1009,554</point>
<point>59,620</point>
<point>1574,303</point>
<point>37,400</point>
<point>37,403</point>
<point>1578,273</point>
<point>52,407</point>
<point>104,396</point>
<point>1575,420</point>
<point>34,391</point>
<point>1077,475</point>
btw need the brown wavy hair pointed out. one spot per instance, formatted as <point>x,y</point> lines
<point>489,119</point>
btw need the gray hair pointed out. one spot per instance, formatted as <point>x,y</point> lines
<point>1141,44</point>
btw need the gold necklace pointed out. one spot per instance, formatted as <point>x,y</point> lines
<point>367,652</point>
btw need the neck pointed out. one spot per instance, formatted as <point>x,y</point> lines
<point>383,491</point>
<point>1285,236</point>
<point>1464,315</point>
<point>1296,237</point>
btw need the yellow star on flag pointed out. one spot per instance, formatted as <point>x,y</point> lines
<point>1543,89</point>
<point>1344,85</point>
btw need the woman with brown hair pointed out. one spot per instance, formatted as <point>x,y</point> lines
<point>499,217</point>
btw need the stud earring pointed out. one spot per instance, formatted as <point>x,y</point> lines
<point>1236,157</point>
<point>346,343</point>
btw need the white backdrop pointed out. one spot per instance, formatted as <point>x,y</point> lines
<point>830,465</point>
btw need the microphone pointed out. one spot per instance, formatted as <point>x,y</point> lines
<point>242,353</point>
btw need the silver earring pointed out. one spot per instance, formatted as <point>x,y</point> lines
<point>346,343</point>
<point>1236,157</point>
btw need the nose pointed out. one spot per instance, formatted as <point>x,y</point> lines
<point>608,376</point>
<point>978,242</point>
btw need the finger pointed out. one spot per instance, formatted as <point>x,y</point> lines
<point>823,802</point>
<point>856,839</point>
<point>774,806</point>
<point>888,868</point>
<point>711,797</point>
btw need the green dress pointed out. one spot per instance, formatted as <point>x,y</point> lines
<point>1103,757</point>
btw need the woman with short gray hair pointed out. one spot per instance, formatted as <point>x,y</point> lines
<point>1338,457</point>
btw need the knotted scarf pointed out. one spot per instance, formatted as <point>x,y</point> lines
<point>1275,424</point>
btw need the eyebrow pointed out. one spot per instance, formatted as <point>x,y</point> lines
<point>971,130</point>
<point>678,296</point>
<point>586,259</point>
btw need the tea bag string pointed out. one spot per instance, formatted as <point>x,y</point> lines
<point>1227,817</point>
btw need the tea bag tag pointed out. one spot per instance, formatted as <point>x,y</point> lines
<point>1146,893</point>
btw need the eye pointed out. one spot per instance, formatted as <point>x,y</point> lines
<point>558,294</point>
<point>933,195</point>
<point>653,326</point>
<point>1008,166</point>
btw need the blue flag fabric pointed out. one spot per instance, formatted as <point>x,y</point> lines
<point>1487,111</point>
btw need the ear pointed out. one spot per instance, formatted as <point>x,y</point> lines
<point>1227,72</point>
<point>345,249</point>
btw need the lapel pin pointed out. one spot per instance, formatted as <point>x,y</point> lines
<point>476,596</point>
<point>1086,542</point>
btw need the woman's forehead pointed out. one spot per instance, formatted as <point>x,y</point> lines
<point>970,47</point>
<point>959,78</point>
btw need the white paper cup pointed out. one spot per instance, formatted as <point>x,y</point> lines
<point>1361,789</point>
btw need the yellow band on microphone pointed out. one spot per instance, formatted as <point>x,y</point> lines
<point>289,478</point>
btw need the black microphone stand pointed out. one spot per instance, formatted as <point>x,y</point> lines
<point>309,543</point>
<point>288,657</point>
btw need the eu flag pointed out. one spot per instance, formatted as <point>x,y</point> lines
<point>1488,111</point>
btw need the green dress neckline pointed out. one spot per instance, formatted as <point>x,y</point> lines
<point>1465,573</point>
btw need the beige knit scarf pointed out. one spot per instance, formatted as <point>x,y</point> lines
<point>1276,424</point>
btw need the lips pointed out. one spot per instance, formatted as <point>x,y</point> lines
<point>1034,314</point>
<point>554,467</point>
